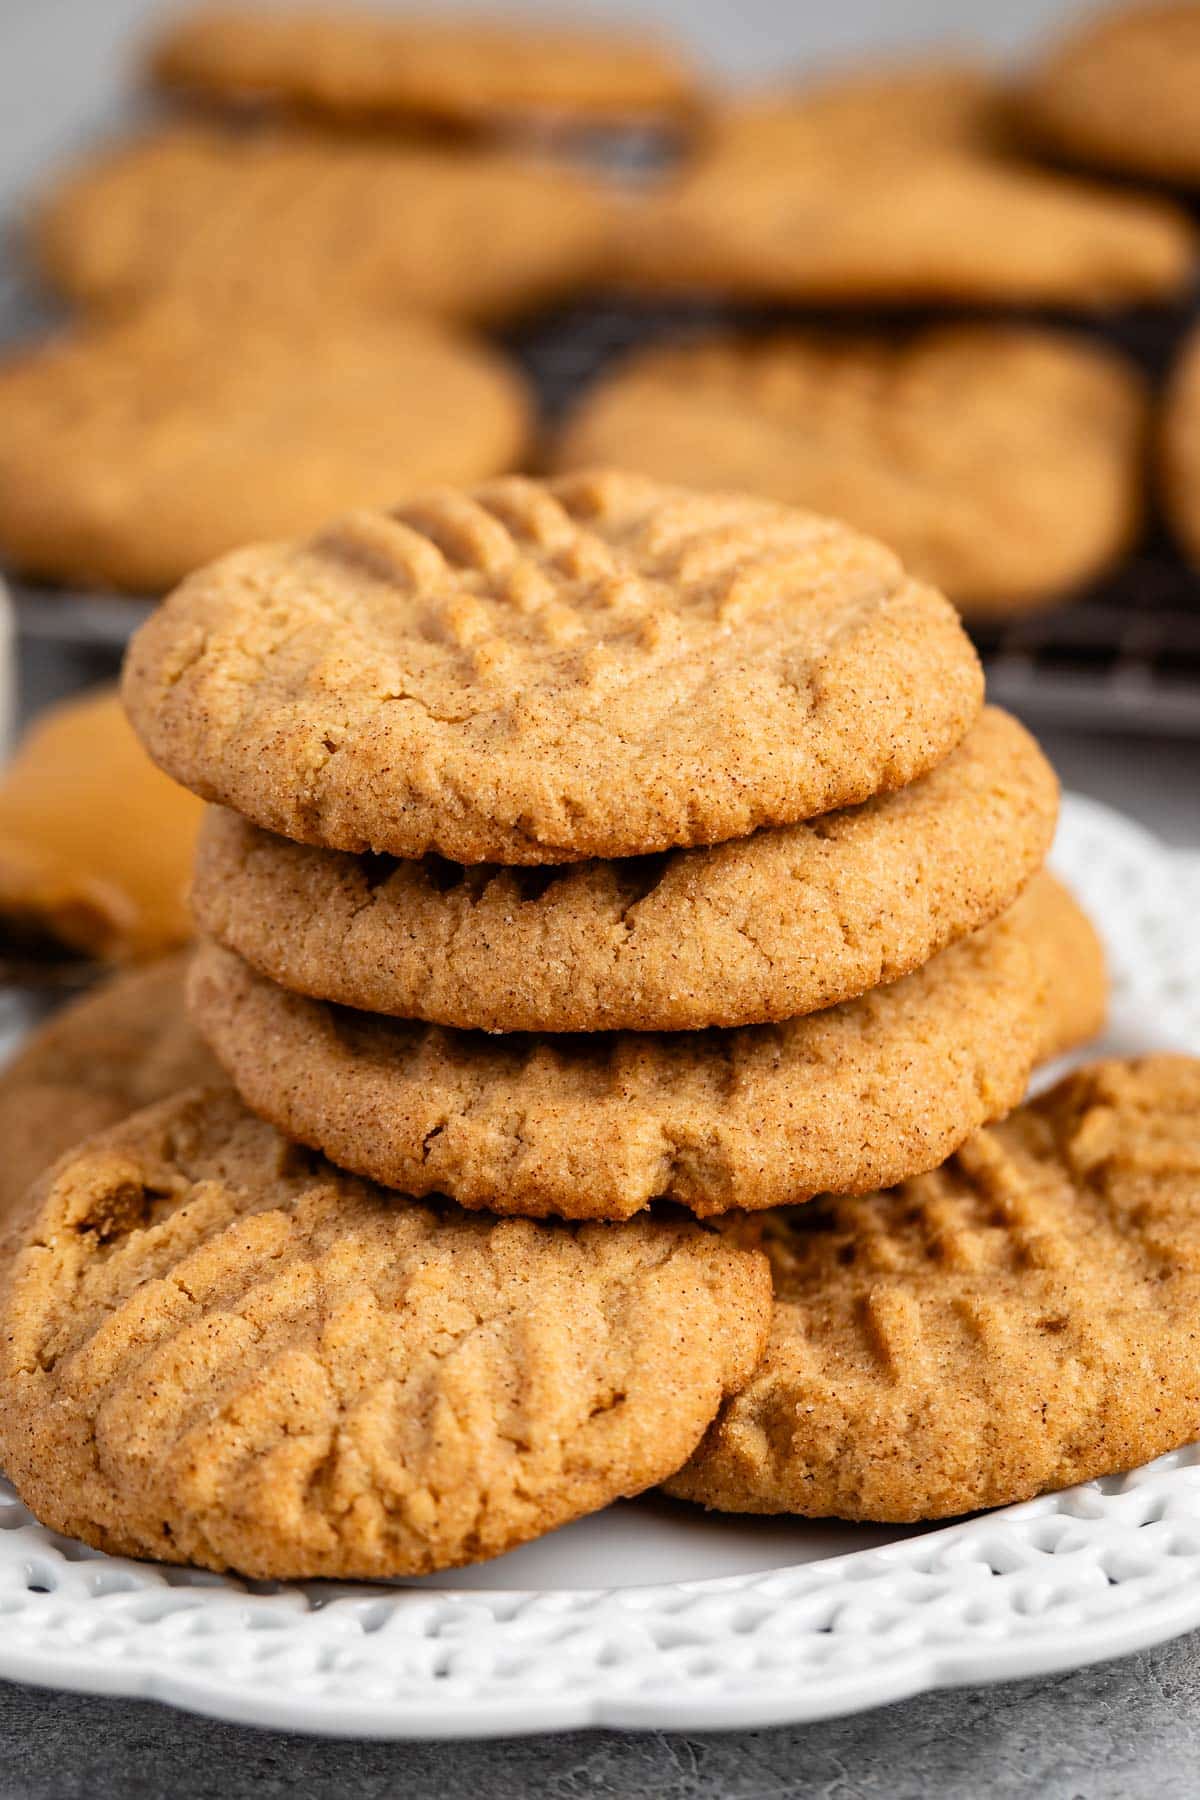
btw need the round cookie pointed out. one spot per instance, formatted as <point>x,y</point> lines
<point>219,1350</point>
<point>1004,465</point>
<point>598,1126</point>
<point>545,671</point>
<point>234,219</point>
<point>1180,450</point>
<point>759,928</point>
<point>1072,958</point>
<point>127,1043</point>
<point>357,66</point>
<point>869,192</point>
<point>132,451</point>
<point>1019,1320</point>
<point>1119,91</point>
<point>96,845</point>
<point>863,110</point>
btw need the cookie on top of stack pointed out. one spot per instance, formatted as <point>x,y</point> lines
<point>579,845</point>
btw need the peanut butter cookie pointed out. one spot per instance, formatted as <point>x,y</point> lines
<point>895,188</point>
<point>916,105</point>
<point>599,1125</point>
<point>1180,450</point>
<point>545,671</point>
<point>1005,466</point>
<point>134,450</point>
<point>233,218</point>
<point>355,66</point>
<point>1119,91</point>
<point>1022,1319</point>
<point>65,873</point>
<point>217,1349</point>
<point>117,1049</point>
<point>759,928</point>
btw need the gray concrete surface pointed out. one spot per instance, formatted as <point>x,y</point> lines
<point>1127,1730</point>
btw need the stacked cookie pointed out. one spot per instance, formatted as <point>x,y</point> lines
<point>581,845</point>
<point>516,895</point>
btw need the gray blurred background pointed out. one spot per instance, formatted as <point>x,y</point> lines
<point>63,62</point>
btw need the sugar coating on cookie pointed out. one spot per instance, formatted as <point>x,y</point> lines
<point>599,1125</point>
<point>259,428</point>
<point>1020,1320</point>
<point>760,928</point>
<point>119,1048</point>
<point>357,65</point>
<point>398,228</point>
<point>1119,91</point>
<point>219,1350</point>
<point>538,672</point>
<point>1004,465</point>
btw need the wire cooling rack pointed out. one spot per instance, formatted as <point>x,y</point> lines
<point>1123,656</point>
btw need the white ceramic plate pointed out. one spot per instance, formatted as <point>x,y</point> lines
<point>656,1615</point>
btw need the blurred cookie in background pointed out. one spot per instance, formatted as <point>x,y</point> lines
<point>893,189</point>
<point>1003,464</point>
<point>95,844</point>
<point>1180,450</point>
<point>251,215</point>
<point>671,943</point>
<point>134,449</point>
<point>1121,91</point>
<point>357,65</point>
<point>119,1048</point>
<point>877,108</point>
<point>8,669</point>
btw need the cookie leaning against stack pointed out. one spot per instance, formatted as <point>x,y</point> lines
<point>820,954</point>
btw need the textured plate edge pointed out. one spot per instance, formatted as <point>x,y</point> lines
<point>903,1675</point>
<point>905,1679</point>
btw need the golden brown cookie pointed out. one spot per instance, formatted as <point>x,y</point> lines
<point>1075,968</point>
<point>219,1350</point>
<point>119,1048</point>
<point>545,671</point>
<point>1004,465</point>
<point>760,928</point>
<point>1180,450</point>
<point>894,188</point>
<point>914,106</point>
<point>132,451</point>
<point>1022,1319</point>
<point>237,218</point>
<point>355,66</point>
<point>599,1125</point>
<point>1119,91</point>
<point>95,844</point>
